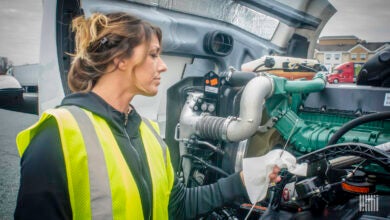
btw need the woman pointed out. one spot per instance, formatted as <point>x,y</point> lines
<point>120,169</point>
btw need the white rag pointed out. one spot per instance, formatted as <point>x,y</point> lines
<point>256,171</point>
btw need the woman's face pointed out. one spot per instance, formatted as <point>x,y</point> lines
<point>146,76</point>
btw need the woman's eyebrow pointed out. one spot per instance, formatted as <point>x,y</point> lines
<point>155,49</point>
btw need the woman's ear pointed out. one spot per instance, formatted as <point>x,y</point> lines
<point>121,64</point>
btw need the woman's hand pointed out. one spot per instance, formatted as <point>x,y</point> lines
<point>274,175</point>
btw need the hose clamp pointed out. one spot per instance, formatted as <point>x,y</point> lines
<point>225,127</point>
<point>229,73</point>
<point>271,80</point>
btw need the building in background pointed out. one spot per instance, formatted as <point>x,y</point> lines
<point>334,50</point>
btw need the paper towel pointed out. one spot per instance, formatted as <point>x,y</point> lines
<point>256,171</point>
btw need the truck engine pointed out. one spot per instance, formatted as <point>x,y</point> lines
<point>342,132</point>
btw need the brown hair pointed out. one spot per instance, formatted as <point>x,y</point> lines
<point>99,40</point>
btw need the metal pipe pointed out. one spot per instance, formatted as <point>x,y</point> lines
<point>251,106</point>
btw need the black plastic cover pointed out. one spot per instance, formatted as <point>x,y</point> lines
<point>376,71</point>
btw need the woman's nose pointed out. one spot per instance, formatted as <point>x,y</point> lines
<point>162,67</point>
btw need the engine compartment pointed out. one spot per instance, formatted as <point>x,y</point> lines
<point>215,121</point>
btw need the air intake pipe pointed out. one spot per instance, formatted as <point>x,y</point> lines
<point>242,127</point>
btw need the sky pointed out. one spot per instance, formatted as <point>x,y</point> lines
<point>20,24</point>
<point>20,30</point>
<point>366,19</point>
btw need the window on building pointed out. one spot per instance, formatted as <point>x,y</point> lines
<point>337,56</point>
<point>363,56</point>
<point>328,56</point>
<point>353,56</point>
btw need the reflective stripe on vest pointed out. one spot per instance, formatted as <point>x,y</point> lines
<point>98,178</point>
<point>158,137</point>
<point>100,183</point>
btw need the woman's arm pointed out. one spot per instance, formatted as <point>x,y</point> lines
<point>188,203</point>
<point>43,192</point>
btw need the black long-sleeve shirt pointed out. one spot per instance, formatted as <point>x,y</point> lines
<point>43,192</point>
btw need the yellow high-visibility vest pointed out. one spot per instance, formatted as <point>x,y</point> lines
<point>100,183</point>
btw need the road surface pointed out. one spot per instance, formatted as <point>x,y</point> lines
<point>11,122</point>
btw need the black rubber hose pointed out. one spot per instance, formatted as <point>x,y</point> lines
<point>208,165</point>
<point>356,122</point>
<point>239,78</point>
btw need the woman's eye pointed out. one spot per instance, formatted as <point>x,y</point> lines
<point>154,55</point>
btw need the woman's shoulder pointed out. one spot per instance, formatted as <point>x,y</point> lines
<point>45,142</point>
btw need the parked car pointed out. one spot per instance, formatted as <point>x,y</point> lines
<point>11,92</point>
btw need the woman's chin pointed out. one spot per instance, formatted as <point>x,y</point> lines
<point>150,93</point>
